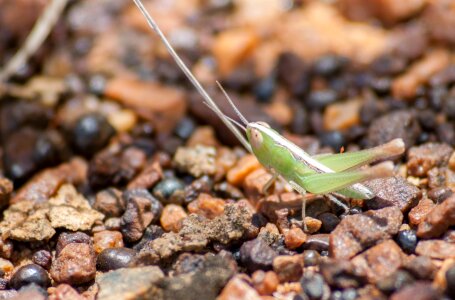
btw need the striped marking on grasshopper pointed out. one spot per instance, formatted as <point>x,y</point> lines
<point>335,173</point>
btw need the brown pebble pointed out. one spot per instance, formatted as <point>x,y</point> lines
<point>110,202</point>
<point>288,268</point>
<point>207,206</point>
<point>172,217</point>
<point>6,187</point>
<point>6,266</point>
<point>242,168</point>
<point>265,282</point>
<point>65,292</point>
<point>254,183</point>
<point>294,238</point>
<point>438,219</point>
<point>313,224</point>
<point>380,261</point>
<point>340,116</point>
<point>424,157</point>
<point>66,238</point>
<point>76,264</point>
<point>419,290</point>
<point>418,213</point>
<point>436,249</point>
<point>42,258</point>
<point>237,289</point>
<point>203,135</point>
<point>148,177</point>
<point>107,239</point>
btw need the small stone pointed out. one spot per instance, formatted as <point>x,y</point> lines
<point>107,239</point>
<point>311,258</point>
<point>393,191</point>
<point>439,194</point>
<point>407,240</point>
<point>115,258</point>
<point>342,274</point>
<point>65,292</point>
<point>42,258</point>
<point>313,286</point>
<point>203,135</point>
<point>334,139</point>
<point>242,168</point>
<point>110,202</point>
<point>418,213</point>
<point>358,232</point>
<point>395,282</point>
<point>148,177</point>
<point>142,209</point>
<point>255,182</point>
<point>172,216</point>
<point>421,267</point>
<point>237,289</point>
<point>5,266</point>
<point>75,264</point>
<point>288,268</point>
<point>169,190</point>
<point>438,219</point>
<point>342,116</point>
<point>317,100</point>
<point>28,274</point>
<point>318,242</point>
<point>313,225</point>
<point>294,238</point>
<point>197,187</point>
<point>91,133</point>
<point>397,124</point>
<point>424,157</point>
<point>419,290</point>
<point>257,255</point>
<point>66,238</point>
<point>31,291</point>
<point>197,161</point>
<point>436,249</point>
<point>265,282</point>
<point>380,261</point>
<point>329,222</point>
<point>6,188</point>
<point>6,248</point>
<point>207,206</point>
<point>129,284</point>
<point>450,279</point>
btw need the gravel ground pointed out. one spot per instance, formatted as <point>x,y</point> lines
<point>117,182</point>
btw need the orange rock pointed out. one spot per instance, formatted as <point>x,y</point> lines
<point>405,86</point>
<point>107,239</point>
<point>294,238</point>
<point>225,160</point>
<point>232,46</point>
<point>203,135</point>
<point>280,112</point>
<point>418,213</point>
<point>288,267</point>
<point>172,217</point>
<point>207,206</point>
<point>255,182</point>
<point>341,116</point>
<point>157,103</point>
<point>237,289</point>
<point>265,282</point>
<point>242,168</point>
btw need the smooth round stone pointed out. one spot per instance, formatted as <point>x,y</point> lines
<point>114,258</point>
<point>28,274</point>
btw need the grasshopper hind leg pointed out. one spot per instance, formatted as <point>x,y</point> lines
<point>302,192</point>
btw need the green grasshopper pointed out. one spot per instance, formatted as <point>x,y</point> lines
<point>323,174</point>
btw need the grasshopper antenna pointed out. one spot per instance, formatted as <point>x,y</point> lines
<point>229,118</point>
<point>151,22</point>
<point>237,111</point>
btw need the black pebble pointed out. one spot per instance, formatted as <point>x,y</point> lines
<point>313,286</point>
<point>257,255</point>
<point>329,222</point>
<point>311,258</point>
<point>333,139</point>
<point>185,128</point>
<point>407,240</point>
<point>28,274</point>
<point>265,89</point>
<point>91,133</point>
<point>167,190</point>
<point>450,278</point>
<point>114,258</point>
<point>394,282</point>
<point>43,258</point>
<point>329,65</point>
<point>320,99</point>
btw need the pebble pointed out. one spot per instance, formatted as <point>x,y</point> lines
<point>242,168</point>
<point>114,258</point>
<point>341,116</point>
<point>438,219</point>
<point>207,206</point>
<point>329,65</point>
<point>172,217</point>
<point>91,133</point>
<point>320,99</point>
<point>66,238</point>
<point>75,264</point>
<point>438,249</point>
<point>265,282</point>
<point>255,182</point>
<point>318,242</point>
<point>197,161</point>
<point>450,279</point>
<point>421,267</point>
<point>395,282</point>
<point>288,267</point>
<point>439,194</point>
<point>424,157</point>
<point>151,233</point>
<point>420,290</point>
<point>169,190</point>
<point>397,124</point>
<point>358,232</point>
<point>6,188</point>
<point>148,177</point>
<point>28,274</point>
<point>65,292</point>
<point>129,284</point>
<point>342,274</point>
<point>42,258</point>
<point>418,213</point>
<point>142,209</point>
<point>110,202</point>
<point>333,139</point>
<point>407,240</point>
<point>293,73</point>
<point>329,222</point>
<point>393,191</point>
<point>313,286</point>
<point>311,258</point>
<point>294,238</point>
<point>380,261</point>
<point>237,289</point>
<point>198,187</point>
<point>107,239</point>
<point>257,255</point>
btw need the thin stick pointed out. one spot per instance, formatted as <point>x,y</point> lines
<point>151,22</point>
<point>35,39</point>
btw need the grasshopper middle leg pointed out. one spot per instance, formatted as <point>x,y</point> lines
<point>302,192</point>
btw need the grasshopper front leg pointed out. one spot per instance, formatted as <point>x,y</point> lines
<point>268,184</point>
<point>302,192</point>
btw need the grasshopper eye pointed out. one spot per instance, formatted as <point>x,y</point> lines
<point>256,138</point>
<point>263,124</point>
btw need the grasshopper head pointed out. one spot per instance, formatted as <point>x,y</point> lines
<point>255,134</point>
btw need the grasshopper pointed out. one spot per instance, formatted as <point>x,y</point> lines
<point>323,174</point>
